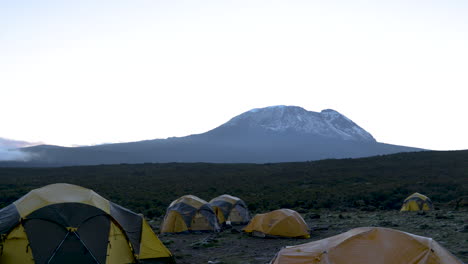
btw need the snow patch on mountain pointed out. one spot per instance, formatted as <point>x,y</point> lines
<point>281,119</point>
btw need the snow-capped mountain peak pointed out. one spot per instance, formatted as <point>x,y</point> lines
<point>328,123</point>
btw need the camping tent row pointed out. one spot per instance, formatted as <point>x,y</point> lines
<point>368,245</point>
<point>289,223</point>
<point>64,223</point>
<point>190,213</point>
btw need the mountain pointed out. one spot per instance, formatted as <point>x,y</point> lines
<point>292,119</point>
<point>262,135</point>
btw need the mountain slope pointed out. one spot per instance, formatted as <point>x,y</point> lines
<point>271,134</point>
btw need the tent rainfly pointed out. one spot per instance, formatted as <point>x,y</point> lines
<point>368,245</point>
<point>189,213</point>
<point>65,223</point>
<point>417,202</point>
<point>282,223</point>
<point>230,209</point>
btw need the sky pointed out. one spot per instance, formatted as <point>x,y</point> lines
<point>95,71</point>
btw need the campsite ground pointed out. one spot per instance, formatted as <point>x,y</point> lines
<point>448,227</point>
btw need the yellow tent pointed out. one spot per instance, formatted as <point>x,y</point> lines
<point>282,222</point>
<point>230,209</point>
<point>368,245</point>
<point>64,223</point>
<point>417,202</point>
<point>189,213</point>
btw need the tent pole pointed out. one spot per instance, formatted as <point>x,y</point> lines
<point>76,234</point>
<point>57,248</point>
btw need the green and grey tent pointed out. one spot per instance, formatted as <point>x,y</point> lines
<point>230,209</point>
<point>64,223</point>
<point>189,214</point>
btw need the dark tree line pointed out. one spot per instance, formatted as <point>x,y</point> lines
<point>380,182</point>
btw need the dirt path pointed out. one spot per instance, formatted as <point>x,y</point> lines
<point>449,228</point>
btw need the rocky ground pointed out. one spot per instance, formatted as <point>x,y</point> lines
<point>449,228</point>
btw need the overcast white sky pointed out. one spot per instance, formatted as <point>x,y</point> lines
<point>89,72</point>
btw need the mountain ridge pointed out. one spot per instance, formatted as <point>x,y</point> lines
<point>261,135</point>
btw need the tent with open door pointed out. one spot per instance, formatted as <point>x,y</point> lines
<point>65,223</point>
<point>230,209</point>
<point>189,213</point>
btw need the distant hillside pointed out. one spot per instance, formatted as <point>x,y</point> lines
<point>271,134</point>
<point>367,183</point>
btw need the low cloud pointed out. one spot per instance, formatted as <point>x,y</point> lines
<point>13,155</point>
<point>9,150</point>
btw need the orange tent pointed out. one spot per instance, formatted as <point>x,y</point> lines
<point>282,222</point>
<point>368,245</point>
